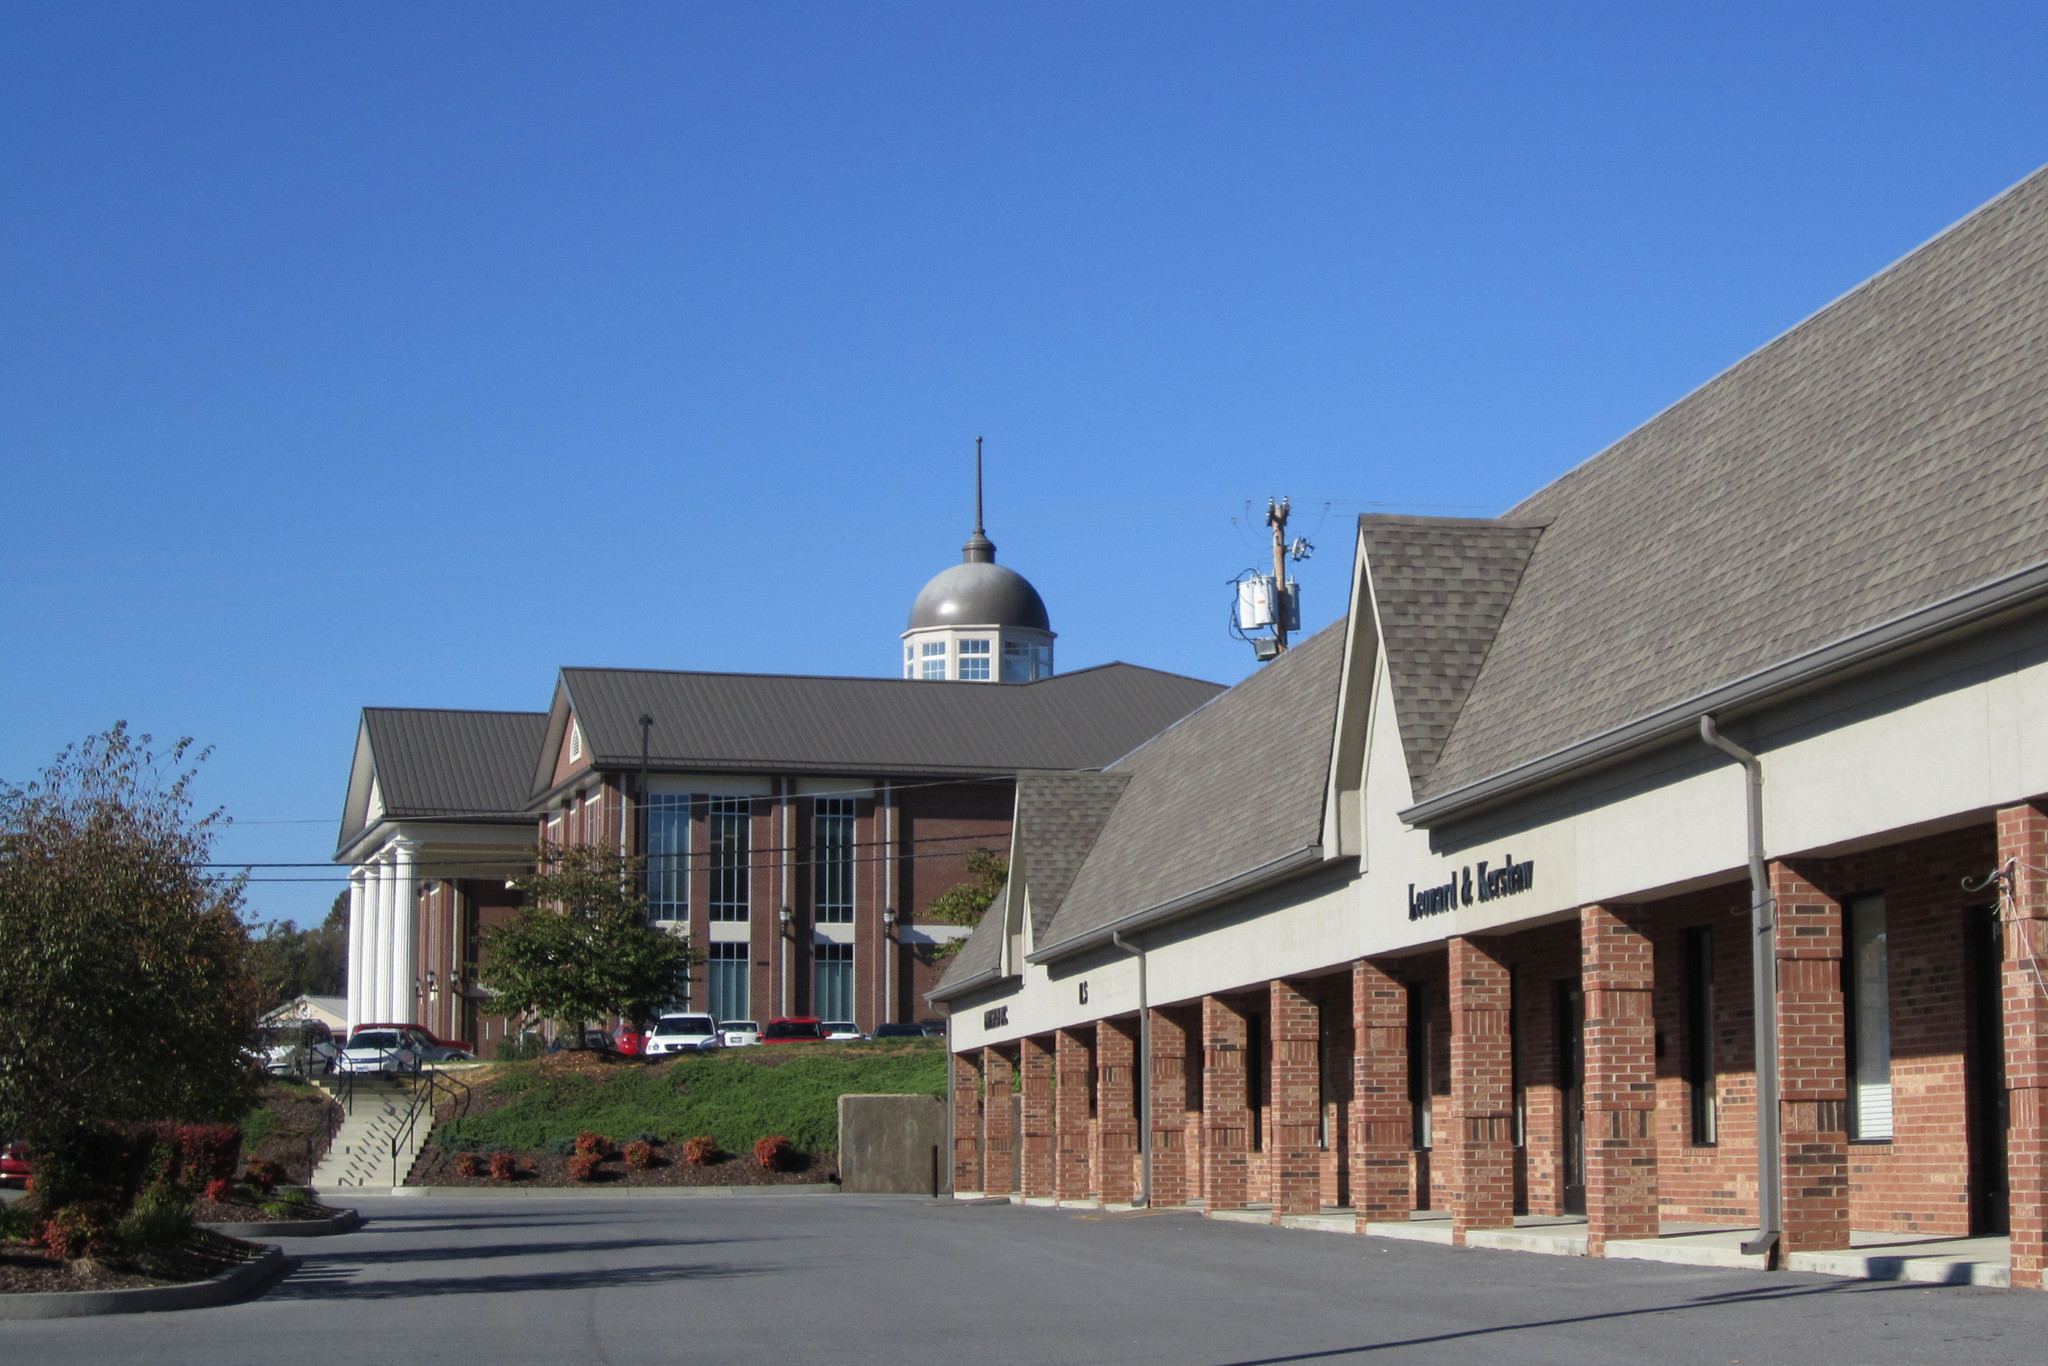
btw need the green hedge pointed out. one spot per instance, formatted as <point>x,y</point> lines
<point>735,1097</point>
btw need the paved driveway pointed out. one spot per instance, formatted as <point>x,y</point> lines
<point>785,1281</point>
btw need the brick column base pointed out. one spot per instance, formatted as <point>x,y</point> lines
<point>1294,1152</point>
<point>998,1111</point>
<point>1382,1173</point>
<point>967,1121</point>
<point>1226,1114</point>
<point>1617,976</point>
<point>1116,1110</point>
<point>1480,1147</point>
<point>1040,1139</point>
<point>1169,1082</point>
<point>1813,1085</point>
<point>1070,1109</point>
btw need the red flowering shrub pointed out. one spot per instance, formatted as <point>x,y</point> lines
<point>220,1190</point>
<point>775,1153</point>
<point>594,1145</point>
<point>263,1175</point>
<point>209,1152</point>
<point>700,1151</point>
<point>468,1164</point>
<point>640,1155</point>
<point>583,1166</point>
<point>503,1168</point>
<point>81,1230</point>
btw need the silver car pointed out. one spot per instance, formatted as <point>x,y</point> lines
<point>381,1050</point>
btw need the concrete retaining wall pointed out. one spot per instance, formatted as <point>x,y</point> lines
<point>893,1145</point>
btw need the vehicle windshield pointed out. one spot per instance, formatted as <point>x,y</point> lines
<point>841,1027</point>
<point>375,1038</point>
<point>794,1029</point>
<point>741,1027</point>
<point>671,1025</point>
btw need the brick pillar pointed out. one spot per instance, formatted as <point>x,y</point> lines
<point>1039,1137</point>
<point>1813,1083</point>
<point>1382,1184</point>
<point>1070,1115</point>
<point>967,1121</point>
<point>1116,1111</point>
<point>2023,835</point>
<point>1481,1144</point>
<point>1226,1114</point>
<point>1617,975</point>
<point>1294,1150</point>
<point>999,1113</point>
<point>1169,1082</point>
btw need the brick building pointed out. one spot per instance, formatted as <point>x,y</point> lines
<point>1468,903</point>
<point>796,828</point>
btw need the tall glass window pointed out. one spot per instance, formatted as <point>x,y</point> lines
<point>832,855</point>
<point>934,653</point>
<point>974,660</point>
<point>729,820</point>
<point>668,857</point>
<point>1870,1003</point>
<point>1016,662</point>
<point>832,993</point>
<point>728,982</point>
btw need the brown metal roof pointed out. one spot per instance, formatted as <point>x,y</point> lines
<point>434,764</point>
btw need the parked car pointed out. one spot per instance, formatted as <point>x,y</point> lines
<point>933,1028</point>
<point>431,1049</point>
<point>901,1029</point>
<point>683,1034</point>
<point>739,1033</point>
<point>297,1048</point>
<point>631,1042</point>
<point>382,1050</point>
<point>794,1029</point>
<point>14,1168</point>
<point>842,1029</point>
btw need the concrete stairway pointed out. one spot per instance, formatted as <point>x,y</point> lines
<point>361,1154</point>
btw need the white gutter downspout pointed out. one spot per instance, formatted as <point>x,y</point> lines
<point>1764,976</point>
<point>1141,1075</point>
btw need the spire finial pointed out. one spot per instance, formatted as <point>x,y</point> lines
<point>979,548</point>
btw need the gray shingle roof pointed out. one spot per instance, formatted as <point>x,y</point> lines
<point>1441,586</point>
<point>1238,784</point>
<point>1888,453</point>
<point>447,764</point>
<point>790,724</point>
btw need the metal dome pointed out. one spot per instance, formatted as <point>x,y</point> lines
<point>979,593</point>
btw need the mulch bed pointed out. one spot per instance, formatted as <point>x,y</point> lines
<point>437,1168</point>
<point>299,1118</point>
<point>25,1269</point>
<point>205,1211</point>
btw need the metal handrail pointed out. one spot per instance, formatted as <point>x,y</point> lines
<point>422,1099</point>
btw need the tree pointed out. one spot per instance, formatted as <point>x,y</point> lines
<point>964,903</point>
<point>582,948</point>
<point>125,992</point>
<point>290,962</point>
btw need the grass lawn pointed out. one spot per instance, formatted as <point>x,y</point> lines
<point>735,1096</point>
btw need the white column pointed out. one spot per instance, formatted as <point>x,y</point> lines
<point>405,938</point>
<point>358,934</point>
<point>380,943</point>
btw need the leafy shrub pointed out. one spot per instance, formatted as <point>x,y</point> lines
<point>161,1217</point>
<point>583,1166</point>
<point>210,1151</point>
<point>639,1155</point>
<point>503,1167</point>
<point>293,1204</point>
<point>527,1045</point>
<point>85,1229</point>
<point>18,1220</point>
<point>775,1153</point>
<point>468,1164</point>
<point>220,1190</point>
<point>589,1144</point>
<point>701,1151</point>
<point>263,1175</point>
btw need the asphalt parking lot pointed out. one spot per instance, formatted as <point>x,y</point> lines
<point>781,1280</point>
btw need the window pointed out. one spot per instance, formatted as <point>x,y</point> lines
<point>832,992</point>
<point>1257,1049</point>
<point>730,886</point>
<point>668,857</point>
<point>1016,662</point>
<point>832,854</point>
<point>934,652</point>
<point>974,660</point>
<point>729,981</point>
<point>1419,1108</point>
<point>1699,1033</point>
<point>575,741</point>
<point>593,817</point>
<point>909,662</point>
<point>1870,1031</point>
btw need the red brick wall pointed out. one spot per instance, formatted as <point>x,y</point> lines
<point>1381,1127</point>
<point>1075,1061</point>
<point>1116,1110</point>
<point>1480,1145</point>
<point>1293,1147</point>
<point>1619,980</point>
<point>967,1084</point>
<point>1039,1137</point>
<point>1174,1179</point>
<point>998,1118</point>
<point>1540,960</point>
<point>1226,1115</point>
<point>1812,1062</point>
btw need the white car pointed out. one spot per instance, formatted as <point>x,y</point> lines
<point>682,1034</point>
<point>739,1033</point>
<point>297,1048</point>
<point>842,1029</point>
<point>380,1050</point>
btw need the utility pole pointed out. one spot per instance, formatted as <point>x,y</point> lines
<point>1276,518</point>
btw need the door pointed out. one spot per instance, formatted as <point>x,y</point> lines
<point>1989,1197</point>
<point>1571,1092</point>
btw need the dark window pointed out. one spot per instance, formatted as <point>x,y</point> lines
<point>1256,1075</point>
<point>1418,1063</point>
<point>832,853</point>
<point>730,888</point>
<point>1699,1034</point>
<point>668,857</point>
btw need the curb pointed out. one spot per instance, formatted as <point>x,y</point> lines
<point>581,1192</point>
<point>226,1288</point>
<point>343,1222</point>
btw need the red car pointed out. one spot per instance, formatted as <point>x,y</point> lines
<point>14,1168</point>
<point>794,1029</point>
<point>631,1042</point>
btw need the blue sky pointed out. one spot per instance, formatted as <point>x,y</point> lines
<point>399,355</point>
